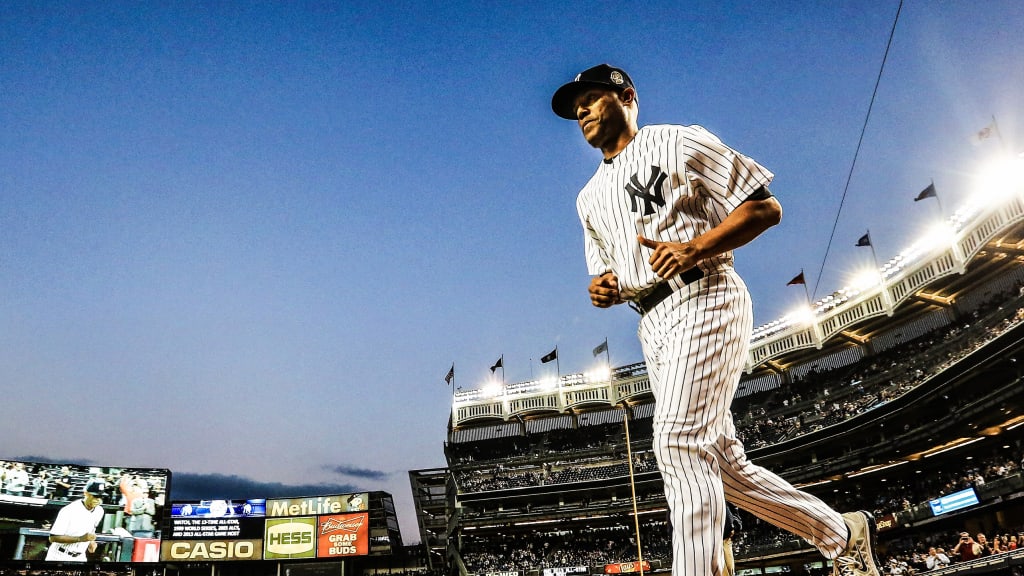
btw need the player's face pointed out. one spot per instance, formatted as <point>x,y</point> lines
<point>92,501</point>
<point>602,117</point>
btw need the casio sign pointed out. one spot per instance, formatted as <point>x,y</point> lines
<point>213,550</point>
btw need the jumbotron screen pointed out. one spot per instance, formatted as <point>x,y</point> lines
<point>73,513</point>
<point>261,529</point>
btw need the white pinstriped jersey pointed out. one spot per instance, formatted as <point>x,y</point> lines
<point>74,519</point>
<point>671,184</point>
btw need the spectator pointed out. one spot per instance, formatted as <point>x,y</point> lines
<point>40,487</point>
<point>16,480</point>
<point>967,549</point>
<point>62,486</point>
<point>987,548</point>
<point>936,559</point>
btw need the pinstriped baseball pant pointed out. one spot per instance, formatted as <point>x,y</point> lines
<point>695,343</point>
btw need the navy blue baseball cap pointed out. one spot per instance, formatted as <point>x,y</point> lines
<point>601,76</point>
<point>96,487</point>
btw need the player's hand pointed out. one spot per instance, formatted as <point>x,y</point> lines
<point>670,258</point>
<point>604,290</point>
<point>93,546</point>
<point>90,537</point>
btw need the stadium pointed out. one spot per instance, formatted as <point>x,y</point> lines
<point>900,395</point>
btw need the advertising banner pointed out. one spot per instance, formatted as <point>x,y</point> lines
<point>290,538</point>
<point>217,520</point>
<point>206,550</point>
<point>146,550</point>
<point>565,570</point>
<point>343,535</point>
<point>318,505</point>
<point>625,567</point>
<point>886,522</point>
<point>954,501</point>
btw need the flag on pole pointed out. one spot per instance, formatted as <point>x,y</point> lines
<point>798,279</point>
<point>864,240</point>
<point>549,356</point>
<point>497,364</point>
<point>985,133</point>
<point>602,347</point>
<point>928,192</point>
<point>450,375</point>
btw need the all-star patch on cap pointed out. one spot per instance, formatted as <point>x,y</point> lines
<point>600,76</point>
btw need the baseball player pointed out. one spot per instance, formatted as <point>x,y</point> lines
<point>661,216</point>
<point>73,533</point>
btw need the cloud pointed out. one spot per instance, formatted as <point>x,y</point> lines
<point>193,486</point>
<point>48,460</point>
<point>353,472</point>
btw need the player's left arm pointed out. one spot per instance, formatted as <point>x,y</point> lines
<point>742,225</point>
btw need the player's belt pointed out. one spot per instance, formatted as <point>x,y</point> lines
<point>664,290</point>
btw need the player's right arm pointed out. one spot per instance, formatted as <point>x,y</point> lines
<point>604,290</point>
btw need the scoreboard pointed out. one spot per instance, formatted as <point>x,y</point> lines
<point>325,527</point>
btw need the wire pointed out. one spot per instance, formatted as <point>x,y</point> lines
<point>856,153</point>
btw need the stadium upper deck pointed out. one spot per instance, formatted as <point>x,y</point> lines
<point>980,248</point>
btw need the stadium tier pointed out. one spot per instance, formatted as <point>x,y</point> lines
<point>901,396</point>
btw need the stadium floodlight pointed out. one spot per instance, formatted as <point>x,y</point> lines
<point>600,374</point>
<point>549,383</point>
<point>999,181</point>
<point>492,389</point>
<point>876,468</point>
<point>959,443</point>
<point>802,315</point>
<point>864,280</point>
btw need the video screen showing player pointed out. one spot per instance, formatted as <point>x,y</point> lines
<point>73,513</point>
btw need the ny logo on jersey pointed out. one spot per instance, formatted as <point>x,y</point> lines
<point>649,193</point>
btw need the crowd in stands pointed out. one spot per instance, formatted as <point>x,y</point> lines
<point>824,398</point>
<point>567,548</point>
<point>816,400</point>
<point>62,482</point>
<point>894,495</point>
<point>502,478</point>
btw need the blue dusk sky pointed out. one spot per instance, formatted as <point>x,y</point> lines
<point>246,241</point>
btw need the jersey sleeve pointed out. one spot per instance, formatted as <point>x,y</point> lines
<point>598,260</point>
<point>593,248</point>
<point>62,523</point>
<point>726,175</point>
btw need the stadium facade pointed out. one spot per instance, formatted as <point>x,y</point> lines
<point>901,395</point>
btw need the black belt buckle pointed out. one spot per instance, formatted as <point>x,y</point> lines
<point>648,301</point>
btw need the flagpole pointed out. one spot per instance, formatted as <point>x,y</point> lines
<point>874,256</point>
<point>558,368</point>
<point>995,126</point>
<point>503,366</point>
<point>942,213</point>
<point>807,293</point>
<point>608,357</point>
<point>632,488</point>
